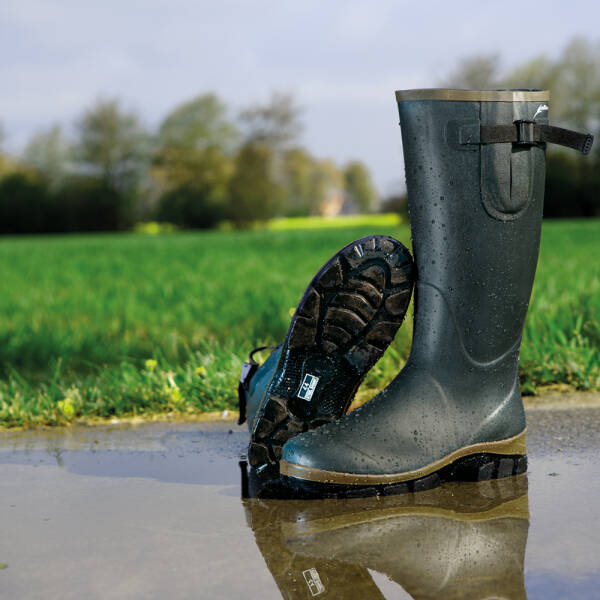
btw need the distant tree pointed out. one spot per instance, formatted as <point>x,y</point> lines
<point>112,145</point>
<point>397,203</point>
<point>269,131</point>
<point>193,162</point>
<point>359,187</point>
<point>573,79</point>
<point>48,152</point>
<point>189,207</point>
<point>197,198</point>
<point>540,72</point>
<point>198,124</point>
<point>254,193</point>
<point>475,72</point>
<point>276,123</point>
<point>8,165</point>
<point>87,204</point>
<point>23,204</point>
<point>113,149</point>
<point>298,171</point>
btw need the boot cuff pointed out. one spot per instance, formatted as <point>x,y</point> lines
<point>474,95</point>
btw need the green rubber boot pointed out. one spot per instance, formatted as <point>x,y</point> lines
<point>475,168</point>
<point>346,319</point>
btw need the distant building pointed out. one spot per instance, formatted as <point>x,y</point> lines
<point>337,202</point>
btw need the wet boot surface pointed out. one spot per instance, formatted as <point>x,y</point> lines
<point>454,412</point>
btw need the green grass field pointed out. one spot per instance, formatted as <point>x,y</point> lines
<point>120,325</point>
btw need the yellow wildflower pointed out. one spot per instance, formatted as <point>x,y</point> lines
<point>176,395</point>
<point>66,407</point>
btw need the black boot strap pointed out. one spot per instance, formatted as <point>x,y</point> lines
<point>531,132</point>
<point>249,368</point>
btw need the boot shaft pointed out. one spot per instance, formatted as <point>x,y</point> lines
<point>476,213</point>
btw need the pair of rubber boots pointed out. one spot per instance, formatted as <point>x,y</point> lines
<point>475,172</point>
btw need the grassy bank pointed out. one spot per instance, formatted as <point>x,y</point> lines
<point>112,325</point>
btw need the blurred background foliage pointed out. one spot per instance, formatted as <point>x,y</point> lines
<point>202,167</point>
<point>198,169</point>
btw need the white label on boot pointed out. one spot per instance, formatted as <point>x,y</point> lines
<point>313,581</point>
<point>307,389</point>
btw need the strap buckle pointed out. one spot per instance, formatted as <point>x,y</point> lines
<point>526,134</point>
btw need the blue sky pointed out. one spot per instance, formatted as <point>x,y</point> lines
<point>341,59</point>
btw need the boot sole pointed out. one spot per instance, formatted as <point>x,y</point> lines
<point>479,462</point>
<point>346,319</point>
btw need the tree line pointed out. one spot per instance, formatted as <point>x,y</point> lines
<point>200,167</point>
<point>197,169</point>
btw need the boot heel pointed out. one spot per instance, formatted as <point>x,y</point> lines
<point>275,425</point>
<point>483,467</point>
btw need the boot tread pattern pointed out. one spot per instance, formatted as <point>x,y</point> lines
<point>348,316</point>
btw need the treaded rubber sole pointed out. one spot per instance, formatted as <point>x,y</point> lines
<point>346,319</point>
<point>475,467</point>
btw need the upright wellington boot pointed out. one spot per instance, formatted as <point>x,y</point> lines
<point>463,540</point>
<point>475,168</point>
<point>347,317</point>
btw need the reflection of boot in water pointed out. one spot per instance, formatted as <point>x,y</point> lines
<point>296,576</point>
<point>456,541</point>
<point>300,576</point>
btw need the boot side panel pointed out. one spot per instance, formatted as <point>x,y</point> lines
<point>481,398</point>
<point>483,266</point>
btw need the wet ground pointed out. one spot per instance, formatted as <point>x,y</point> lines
<point>156,511</point>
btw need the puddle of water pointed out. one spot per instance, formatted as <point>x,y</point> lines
<point>160,511</point>
<point>455,541</point>
<point>152,452</point>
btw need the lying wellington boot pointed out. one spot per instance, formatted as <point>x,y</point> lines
<point>347,317</point>
<point>297,577</point>
<point>460,540</point>
<point>475,168</point>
